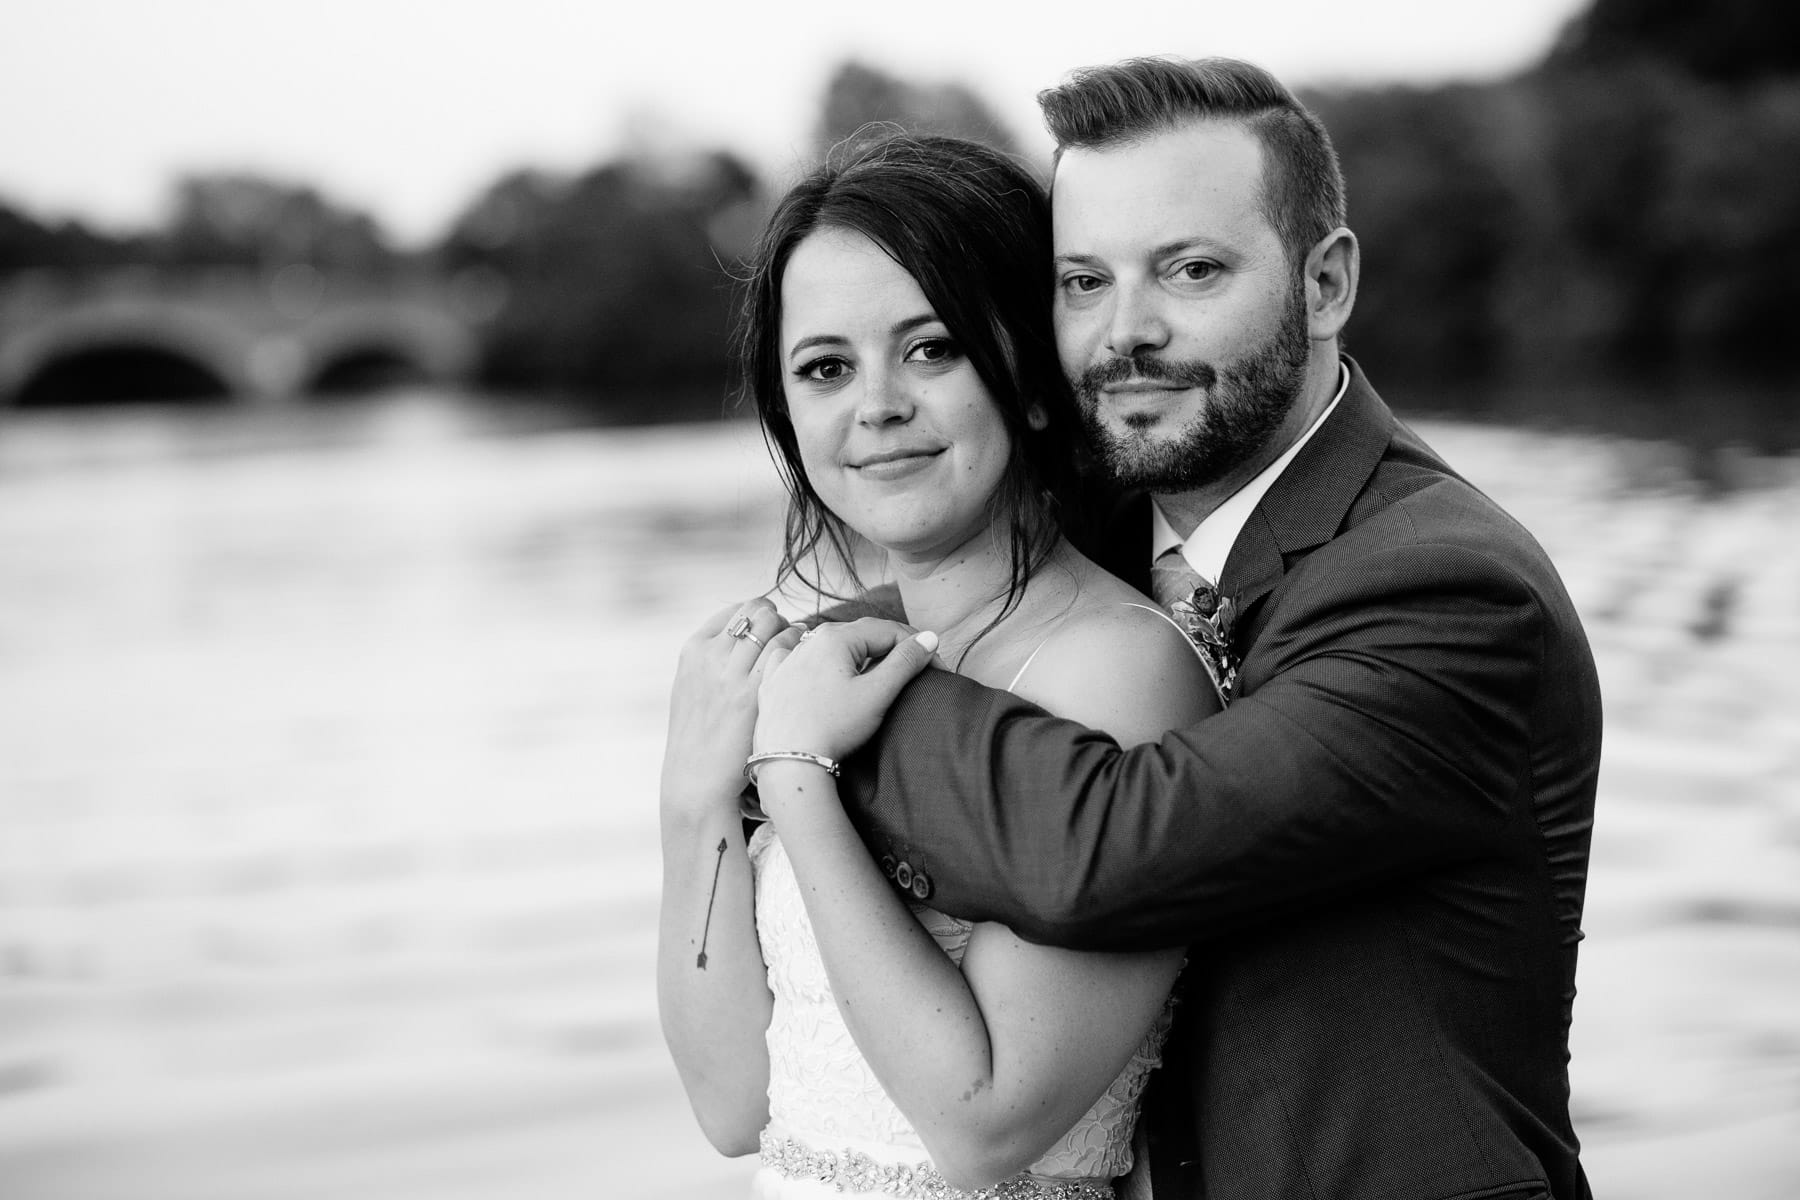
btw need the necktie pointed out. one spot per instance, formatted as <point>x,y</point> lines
<point>1195,605</point>
<point>1172,579</point>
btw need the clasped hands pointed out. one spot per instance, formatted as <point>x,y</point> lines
<point>746,684</point>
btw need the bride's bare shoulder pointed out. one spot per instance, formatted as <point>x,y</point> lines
<point>1121,667</point>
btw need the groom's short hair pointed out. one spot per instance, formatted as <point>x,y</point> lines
<point>1112,105</point>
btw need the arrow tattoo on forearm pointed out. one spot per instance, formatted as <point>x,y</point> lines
<point>706,929</point>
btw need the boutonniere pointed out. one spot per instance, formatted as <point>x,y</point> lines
<point>1206,617</point>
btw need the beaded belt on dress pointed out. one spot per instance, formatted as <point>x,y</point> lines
<point>852,1170</point>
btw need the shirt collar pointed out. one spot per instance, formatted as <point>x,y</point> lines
<point>1207,548</point>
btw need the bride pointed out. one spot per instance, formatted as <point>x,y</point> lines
<point>897,342</point>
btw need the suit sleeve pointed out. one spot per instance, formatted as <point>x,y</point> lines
<point>1387,731</point>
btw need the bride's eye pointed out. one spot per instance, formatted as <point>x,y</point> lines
<point>933,350</point>
<point>828,369</point>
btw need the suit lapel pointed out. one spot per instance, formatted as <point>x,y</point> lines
<point>1306,506</point>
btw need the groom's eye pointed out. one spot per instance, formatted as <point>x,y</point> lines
<point>1195,272</point>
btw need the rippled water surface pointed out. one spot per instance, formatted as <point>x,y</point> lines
<point>328,749</point>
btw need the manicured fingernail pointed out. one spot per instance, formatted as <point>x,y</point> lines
<point>927,639</point>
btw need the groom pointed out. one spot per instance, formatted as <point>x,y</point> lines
<point>1377,852</point>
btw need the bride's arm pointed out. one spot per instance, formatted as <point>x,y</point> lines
<point>994,1062</point>
<point>711,983</point>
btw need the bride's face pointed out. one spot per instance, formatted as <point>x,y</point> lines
<point>896,431</point>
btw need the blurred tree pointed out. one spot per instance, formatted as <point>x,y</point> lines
<point>1727,221</point>
<point>1621,214</point>
<point>498,219</point>
<point>1677,222</point>
<point>859,95</point>
<point>27,243</point>
<point>248,221</point>
<point>1607,148</point>
<point>1730,41</point>
<point>618,280</point>
<point>1437,225</point>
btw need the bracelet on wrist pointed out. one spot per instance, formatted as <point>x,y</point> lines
<point>818,760</point>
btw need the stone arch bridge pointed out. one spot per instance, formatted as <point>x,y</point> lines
<point>239,336</point>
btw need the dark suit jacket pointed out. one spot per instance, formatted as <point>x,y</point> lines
<point>1377,853</point>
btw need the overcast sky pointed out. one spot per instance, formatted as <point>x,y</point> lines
<point>408,107</point>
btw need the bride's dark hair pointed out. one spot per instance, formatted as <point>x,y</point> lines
<point>973,229</point>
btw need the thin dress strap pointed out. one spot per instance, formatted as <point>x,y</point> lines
<point>1026,666</point>
<point>1149,608</point>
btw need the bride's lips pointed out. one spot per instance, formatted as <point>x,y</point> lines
<point>895,464</point>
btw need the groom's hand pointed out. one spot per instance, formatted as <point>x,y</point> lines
<point>829,693</point>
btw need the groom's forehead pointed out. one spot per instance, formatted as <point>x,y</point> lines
<point>1206,171</point>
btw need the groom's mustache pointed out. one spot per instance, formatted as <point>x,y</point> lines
<point>1143,368</point>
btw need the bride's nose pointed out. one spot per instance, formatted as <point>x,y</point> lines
<point>885,400</point>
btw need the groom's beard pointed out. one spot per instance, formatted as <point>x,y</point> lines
<point>1245,403</point>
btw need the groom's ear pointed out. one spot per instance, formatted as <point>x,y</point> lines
<point>1332,270</point>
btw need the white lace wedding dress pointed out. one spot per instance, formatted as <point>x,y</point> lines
<point>832,1129</point>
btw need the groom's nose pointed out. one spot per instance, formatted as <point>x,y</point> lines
<point>1137,324</point>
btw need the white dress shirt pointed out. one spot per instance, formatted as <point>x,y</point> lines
<point>1207,548</point>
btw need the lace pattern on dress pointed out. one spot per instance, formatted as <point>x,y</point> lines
<point>824,1093</point>
<point>853,1171</point>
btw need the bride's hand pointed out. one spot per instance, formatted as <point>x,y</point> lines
<point>712,709</point>
<point>828,694</point>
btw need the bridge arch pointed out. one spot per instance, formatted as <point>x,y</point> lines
<point>143,336</point>
<point>366,346</point>
<point>120,352</point>
<point>120,373</point>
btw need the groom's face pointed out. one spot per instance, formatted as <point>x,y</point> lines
<point>1178,317</point>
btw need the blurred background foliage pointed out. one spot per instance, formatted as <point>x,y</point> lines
<point>618,280</point>
<point>1623,217</point>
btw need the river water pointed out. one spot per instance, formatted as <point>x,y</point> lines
<point>328,753</point>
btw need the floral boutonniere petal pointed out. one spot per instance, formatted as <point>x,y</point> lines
<point>1206,617</point>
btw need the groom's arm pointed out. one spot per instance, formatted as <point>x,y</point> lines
<point>1392,735</point>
